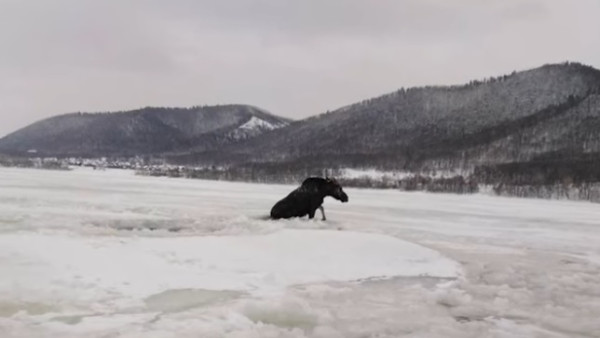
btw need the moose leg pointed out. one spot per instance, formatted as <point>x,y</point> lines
<point>311,214</point>
<point>322,212</point>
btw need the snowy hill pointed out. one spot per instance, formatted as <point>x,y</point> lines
<point>143,131</point>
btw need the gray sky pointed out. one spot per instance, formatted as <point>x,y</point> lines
<point>293,58</point>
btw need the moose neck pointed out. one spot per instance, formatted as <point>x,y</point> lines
<point>315,186</point>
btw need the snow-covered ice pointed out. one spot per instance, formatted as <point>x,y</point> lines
<point>111,254</point>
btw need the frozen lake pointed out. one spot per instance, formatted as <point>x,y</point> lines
<point>110,254</point>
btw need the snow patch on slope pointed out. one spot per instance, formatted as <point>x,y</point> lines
<point>253,127</point>
<point>256,123</point>
<point>380,175</point>
<point>375,174</point>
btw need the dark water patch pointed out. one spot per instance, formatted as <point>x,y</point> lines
<point>290,315</point>
<point>8,309</point>
<point>170,225</point>
<point>427,282</point>
<point>177,300</point>
<point>70,320</point>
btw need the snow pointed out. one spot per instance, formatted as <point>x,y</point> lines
<point>257,123</point>
<point>380,175</point>
<point>107,253</point>
<point>373,174</point>
<point>261,265</point>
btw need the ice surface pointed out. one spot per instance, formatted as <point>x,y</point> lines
<point>106,253</point>
<point>261,265</point>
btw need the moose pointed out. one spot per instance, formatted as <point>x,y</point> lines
<point>307,198</point>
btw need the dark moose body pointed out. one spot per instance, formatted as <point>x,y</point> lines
<point>307,198</point>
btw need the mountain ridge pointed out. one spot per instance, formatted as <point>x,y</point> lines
<point>149,130</point>
<point>408,120</point>
<point>508,118</point>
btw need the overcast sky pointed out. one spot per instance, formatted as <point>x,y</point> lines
<point>293,58</point>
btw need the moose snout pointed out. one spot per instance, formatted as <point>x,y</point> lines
<point>344,198</point>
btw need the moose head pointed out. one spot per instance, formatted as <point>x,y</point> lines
<point>334,189</point>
